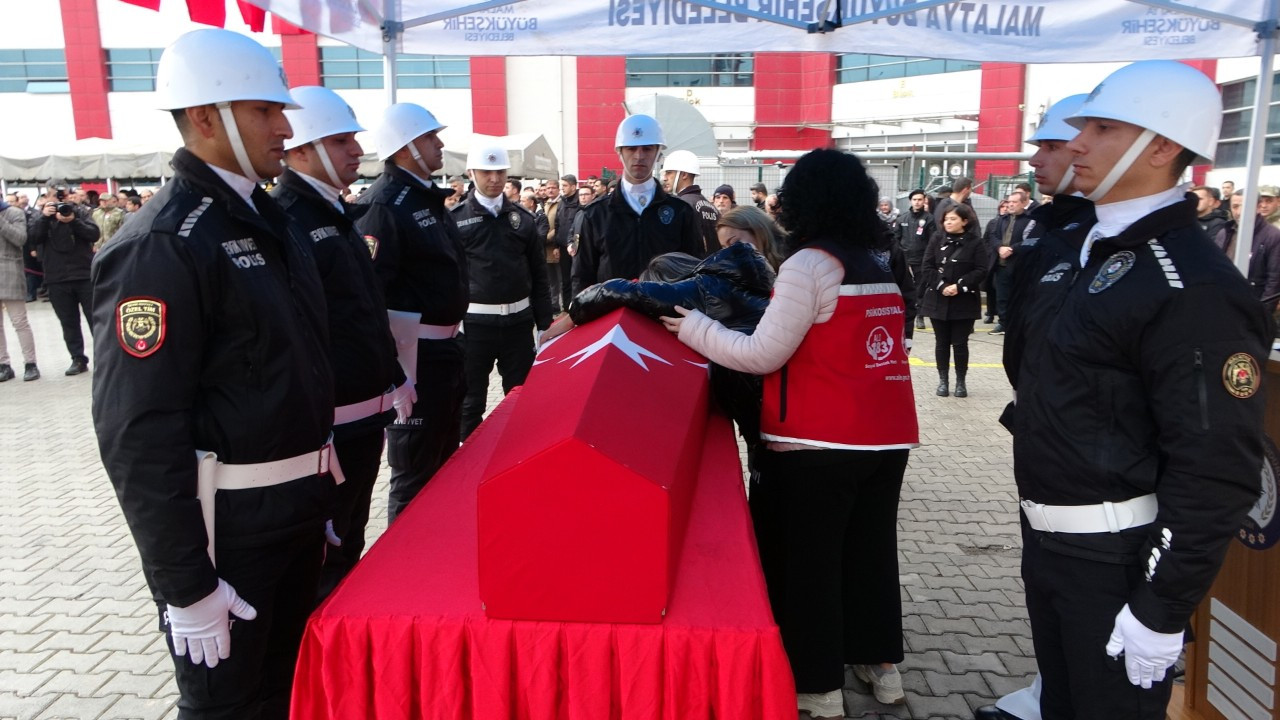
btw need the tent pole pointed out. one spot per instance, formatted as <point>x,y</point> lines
<point>1257,138</point>
<point>392,28</point>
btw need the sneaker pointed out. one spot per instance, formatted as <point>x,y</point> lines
<point>77,367</point>
<point>6,373</point>
<point>887,687</point>
<point>32,373</point>
<point>997,330</point>
<point>822,706</point>
<point>988,319</point>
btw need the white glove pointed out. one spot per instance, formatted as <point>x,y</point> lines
<point>204,628</point>
<point>330,536</point>
<point>403,398</point>
<point>1147,653</point>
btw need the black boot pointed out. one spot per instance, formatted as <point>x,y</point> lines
<point>961,390</point>
<point>32,373</point>
<point>6,372</point>
<point>77,366</point>
<point>919,322</point>
<point>944,388</point>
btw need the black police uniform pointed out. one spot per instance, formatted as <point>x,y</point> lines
<point>209,334</point>
<point>361,352</point>
<point>506,264</point>
<point>1136,374</point>
<point>419,257</point>
<point>616,242</point>
<point>708,216</point>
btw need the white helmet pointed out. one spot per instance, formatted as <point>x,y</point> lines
<point>401,124</point>
<point>322,113</point>
<point>488,157</point>
<point>1166,97</point>
<point>209,66</point>
<point>682,161</point>
<point>636,130</point>
<point>1054,124</point>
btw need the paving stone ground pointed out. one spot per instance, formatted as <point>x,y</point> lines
<point>78,634</point>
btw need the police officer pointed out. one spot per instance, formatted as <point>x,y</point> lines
<point>509,289</point>
<point>213,386</point>
<point>419,258</point>
<point>621,233</point>
<point>1137,429</point>
<point>323,158</point>
<point>912,231</point>
<point>679,173</point>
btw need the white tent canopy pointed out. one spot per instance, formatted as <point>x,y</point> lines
<point>89,159</point>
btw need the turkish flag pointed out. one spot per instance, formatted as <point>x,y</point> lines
<point>148,4</point>
<point>254,16</point>
<point>208,12</point>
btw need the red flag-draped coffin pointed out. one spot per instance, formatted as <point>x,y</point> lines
<point>585,500</point>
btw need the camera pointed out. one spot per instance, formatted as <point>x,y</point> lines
<point>66,209</point>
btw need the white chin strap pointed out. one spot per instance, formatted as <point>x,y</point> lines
<point>328,164</point>
<point>1122,165</point>
<point>237,145</point>
<point>1065,182</point>
<point>422,165</point>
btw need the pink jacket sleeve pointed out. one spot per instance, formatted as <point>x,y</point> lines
<point>805,293</point>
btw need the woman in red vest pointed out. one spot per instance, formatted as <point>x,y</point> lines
<point>839,419</point>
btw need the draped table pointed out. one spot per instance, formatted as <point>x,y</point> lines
<point>405,636</point>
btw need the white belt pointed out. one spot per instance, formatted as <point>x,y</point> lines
<point>1104,517</point>
<point>361,410</point>
<point>437,332</point>
<point>499,309</point>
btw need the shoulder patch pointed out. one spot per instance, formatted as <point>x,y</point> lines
<point>400,198</point>
<point>1241,376</point>
<point>514,218</point>
<point>140,325</point>
<point>371,242</point>
<point>666,214</point>
<point>190,222</point>
<point>1112,270</point>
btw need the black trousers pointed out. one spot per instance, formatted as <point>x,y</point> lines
<point>950,334</point>
<point>553,283</point>
<point>360,456</point>
<point>1002,279</point>
<point>417,448</point>
<point>1072,603</point>
<point>566,279</point>
<point>510,345</point>
<point>255,683</point>
<point>69,299</point>
<point>826,525</point>
<point>993,292</point>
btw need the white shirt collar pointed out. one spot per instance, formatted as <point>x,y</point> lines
<point>238,183</point>
<point>1115,218</point>
<point>493,205</point>
<point>633,193</point>
<point>327,191</point>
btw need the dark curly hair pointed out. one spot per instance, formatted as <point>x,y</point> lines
<point>828,195</point>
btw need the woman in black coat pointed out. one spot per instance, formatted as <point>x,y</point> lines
<point>955,262</point>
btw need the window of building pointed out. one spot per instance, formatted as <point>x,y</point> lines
<point>348,68</point>
<point>857,67</point>
<point>132,69</point>
<point>1237,117</point>
<point>722,70</point>
<point>34,71</point>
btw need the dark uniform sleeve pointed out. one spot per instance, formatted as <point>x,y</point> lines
<point>536,253</point>
<point>143,409</point>
<point>691,238</point>
<point>1201,359</point>
<point>379,223</point>
<point>587,261</point>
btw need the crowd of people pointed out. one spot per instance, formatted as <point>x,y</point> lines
<point>256,354</point>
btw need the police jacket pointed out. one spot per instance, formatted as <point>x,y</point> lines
<point>1140,373</point>
<point>416,248</point>
<point>960,260</point>
<point>506,260</point>
<point>615,242</point>
<point>66,249</point>
<point>912,232</point>
<point>708,216</point>
<point>209,334</point>
<point>361,349</point>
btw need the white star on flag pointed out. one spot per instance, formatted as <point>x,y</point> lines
<point>618,338</point>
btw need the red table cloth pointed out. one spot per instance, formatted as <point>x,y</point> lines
<point>405,636</point>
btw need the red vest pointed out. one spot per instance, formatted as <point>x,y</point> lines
<point>848,385</point>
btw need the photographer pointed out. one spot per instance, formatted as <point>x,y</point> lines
<point>64,237</point>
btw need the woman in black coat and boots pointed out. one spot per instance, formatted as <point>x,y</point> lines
<point>955,262</point>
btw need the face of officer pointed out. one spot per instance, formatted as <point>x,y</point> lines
<point>429,146</point>
<point>638,162</point>
<point>262,126</point>
<point>1237,204</point>
<point>1050,162</point>
<point>668,180</point>
<point>344,153</point>
<point>1205,204</point>
<point>1100,145</point>
<point>488,182</point>
<point>917,202</point>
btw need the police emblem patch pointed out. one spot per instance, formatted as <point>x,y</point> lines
<point>1240,375</point>
<point>1260,529</point>
<point>1112,270</point>
<point>514,218</point>
<point>140,325</point>
<point>371,242</point>
<point>666,215</point>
